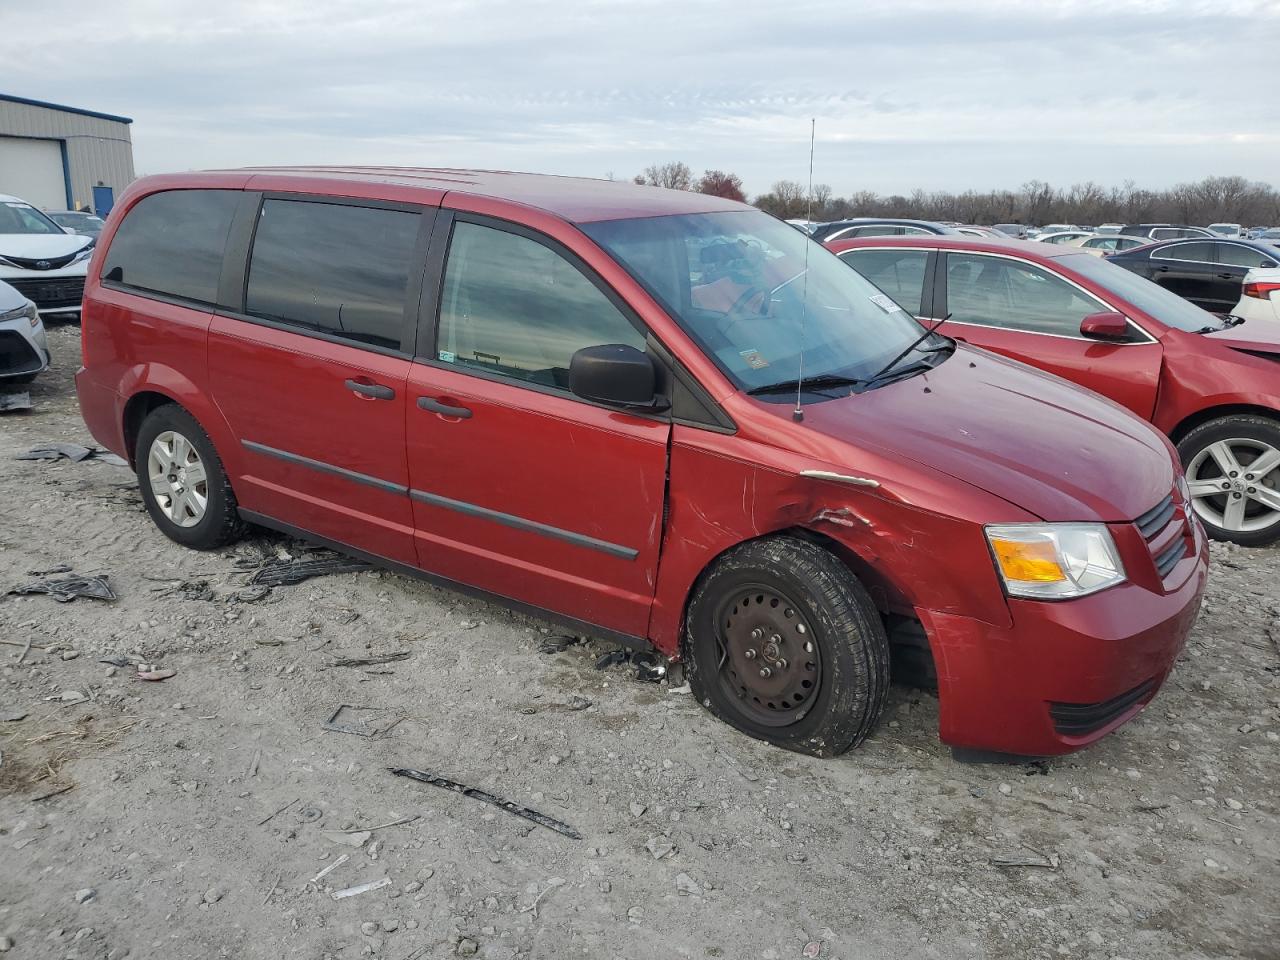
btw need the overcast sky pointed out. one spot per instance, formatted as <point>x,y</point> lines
<point>907,93</point>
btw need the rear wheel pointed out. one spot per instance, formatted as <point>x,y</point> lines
<point>785,644</point>
<point>184,487</point>
<point>1233,471</point>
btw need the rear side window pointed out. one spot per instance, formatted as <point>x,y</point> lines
<point>899,273</point>
<point>172,243</point>
<point>333,268</point>
<point>513,306</point>
<point>1238,256</point>
<point>1198,252</point>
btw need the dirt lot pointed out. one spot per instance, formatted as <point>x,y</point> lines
<point>197,810</point>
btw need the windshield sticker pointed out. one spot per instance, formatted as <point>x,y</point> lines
<point>754,360</point>
<point>884,303</point>
<point>447,356</point>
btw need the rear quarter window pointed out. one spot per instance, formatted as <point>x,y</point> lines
<point>337,269</point>
<point>172,243</point>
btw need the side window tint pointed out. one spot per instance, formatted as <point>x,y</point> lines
<point>1239,256</point>
<point>899,273</point>
<point>878,230</point>
<point>996,292</point>
<point>513,306</point>
<point>1202,252</point>
<point>333,268</point>
<point>172,243</point>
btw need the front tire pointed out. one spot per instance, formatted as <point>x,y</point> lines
<point>785,645</point>
<point>183,484</point>
<point>1233,471</point>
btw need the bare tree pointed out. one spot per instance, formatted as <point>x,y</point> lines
<point>675,175</point>
<point>1213,199</point>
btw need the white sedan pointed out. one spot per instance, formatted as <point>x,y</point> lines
<point>24,351</point>
<point>41,260</point>
<point>1260,295</point>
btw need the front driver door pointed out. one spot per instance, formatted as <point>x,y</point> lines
<point>519,487</point>
<point>1029,313</point>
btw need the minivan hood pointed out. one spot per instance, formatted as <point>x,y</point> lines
<point>38,246</point>
<point>1043,444</point>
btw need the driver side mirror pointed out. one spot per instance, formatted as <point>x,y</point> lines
<point>1106,325</point>
<point>615,373</point>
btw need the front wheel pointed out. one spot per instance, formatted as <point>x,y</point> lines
<point>785,645</point>
<point>1233,471</point>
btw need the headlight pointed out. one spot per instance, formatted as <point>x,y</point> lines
<point>1055,561</point>
<point>27,310</point>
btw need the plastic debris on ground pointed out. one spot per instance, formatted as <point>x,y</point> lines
<point>361,721</point>
<point>15,402</point>
<point>287,573</point>
<point>73,452</point>
<point>541,819</point>
<point>66,589</point>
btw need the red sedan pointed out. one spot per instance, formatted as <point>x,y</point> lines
<point>1211,384</point>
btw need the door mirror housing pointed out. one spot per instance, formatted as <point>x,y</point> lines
<point>614,373</point>
<point>1106,325</point>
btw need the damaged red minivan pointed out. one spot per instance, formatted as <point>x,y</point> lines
<point>662,417</point>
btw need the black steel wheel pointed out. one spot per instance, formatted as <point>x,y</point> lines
<point>784,644</point>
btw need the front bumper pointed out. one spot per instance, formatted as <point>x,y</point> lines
<point>1066,673</point>
<point>23,348</point>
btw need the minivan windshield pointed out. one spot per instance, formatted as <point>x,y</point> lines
<point>1151,298</point>
<point>736,282</point>
<point>17,217</point>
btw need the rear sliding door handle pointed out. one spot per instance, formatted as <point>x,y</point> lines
<point>444,409</point>
<point>374,391</point>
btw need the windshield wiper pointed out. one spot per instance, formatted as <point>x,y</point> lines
<point>914,343</point>
<point>810,383</point>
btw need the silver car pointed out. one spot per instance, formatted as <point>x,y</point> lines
<point>24,349</point>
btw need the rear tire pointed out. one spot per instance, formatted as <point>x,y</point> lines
<point>183,484</point>
<point>1234,500</point>
<point>785,645</point>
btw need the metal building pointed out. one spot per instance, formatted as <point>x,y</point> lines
<point>63,158</point>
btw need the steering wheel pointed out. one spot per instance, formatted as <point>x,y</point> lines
<point>740,309</point>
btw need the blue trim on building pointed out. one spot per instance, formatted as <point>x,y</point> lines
<point>66,173</point>
<point>57,106</point>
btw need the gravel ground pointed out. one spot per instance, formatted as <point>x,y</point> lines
<point>199,810</point>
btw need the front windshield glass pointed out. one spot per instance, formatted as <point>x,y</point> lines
<point>1153,299</point>
<point>18,217</point>
<point>736,283</point>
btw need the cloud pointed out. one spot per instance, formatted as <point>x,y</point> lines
<point>906,94</point>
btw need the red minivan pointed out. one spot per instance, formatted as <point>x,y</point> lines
<point>665,418</point>
<point>1212,384</point>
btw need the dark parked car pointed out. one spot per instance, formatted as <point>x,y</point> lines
<point>872,227</point>
<point>78,221</point>
<point>1209,273</point>
<point>1166,231</point>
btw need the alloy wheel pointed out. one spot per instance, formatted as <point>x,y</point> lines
<point>1235,484</point>
<point>178,479</point>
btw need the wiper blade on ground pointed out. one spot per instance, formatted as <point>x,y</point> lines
<point>810,383</point>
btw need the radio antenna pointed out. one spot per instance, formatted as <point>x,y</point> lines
<point>798,413</point>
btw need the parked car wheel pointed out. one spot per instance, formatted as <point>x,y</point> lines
<point>183,484</point>
<point>1233,470</point>
<point>785,644</point>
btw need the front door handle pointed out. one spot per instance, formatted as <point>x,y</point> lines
<point>374,391</point>
<point>444,409</point>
